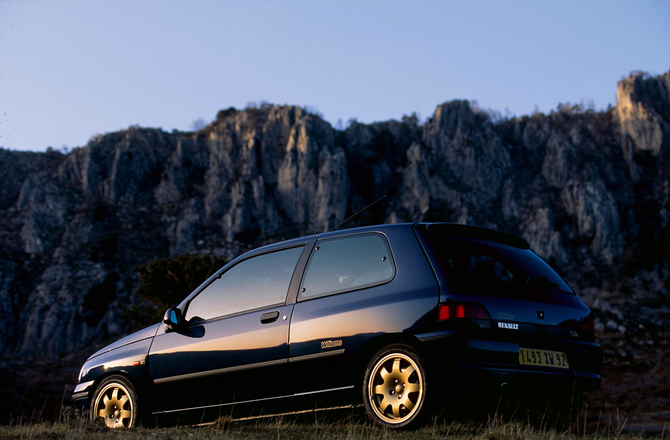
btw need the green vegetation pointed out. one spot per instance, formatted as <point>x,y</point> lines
<point>165,282</point>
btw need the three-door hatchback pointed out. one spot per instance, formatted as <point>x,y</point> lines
<point>409,319</point>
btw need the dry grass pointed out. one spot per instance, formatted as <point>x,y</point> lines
<point>74,427</point>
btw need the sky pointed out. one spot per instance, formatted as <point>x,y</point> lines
<point>72,69</point>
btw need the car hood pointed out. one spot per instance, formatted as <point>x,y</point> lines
<point>146,333</point>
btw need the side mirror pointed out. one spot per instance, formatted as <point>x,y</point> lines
<point>172,319</point>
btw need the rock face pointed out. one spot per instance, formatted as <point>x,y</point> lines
<point>589,190</point>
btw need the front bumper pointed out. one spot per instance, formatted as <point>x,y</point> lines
<point>81,392</point>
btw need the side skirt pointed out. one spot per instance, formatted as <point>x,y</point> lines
<point>291,413</point>
<point>221,405</point>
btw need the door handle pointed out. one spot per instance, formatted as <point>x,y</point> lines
<point>269,317</point>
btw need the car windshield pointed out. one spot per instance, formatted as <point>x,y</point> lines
<point>482,265</point>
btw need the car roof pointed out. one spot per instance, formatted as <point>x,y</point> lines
<point>456,230</point>
<point>324,235</point>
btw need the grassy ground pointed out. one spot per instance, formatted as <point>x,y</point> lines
<point>284,430</point>
<point>352,427</point>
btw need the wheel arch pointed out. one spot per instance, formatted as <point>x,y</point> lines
<point>96,382</point>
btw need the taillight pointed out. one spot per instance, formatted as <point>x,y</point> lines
<point>587,325</point>
<point>468,311</point>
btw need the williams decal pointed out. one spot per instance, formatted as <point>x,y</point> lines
<point>331,344</point>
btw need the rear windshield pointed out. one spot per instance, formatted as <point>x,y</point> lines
<point>488,268</point>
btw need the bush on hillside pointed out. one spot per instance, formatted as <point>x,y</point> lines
<point>165,282</point>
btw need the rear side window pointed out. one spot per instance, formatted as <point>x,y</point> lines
<point>488,268</point>
<point>348,263</point>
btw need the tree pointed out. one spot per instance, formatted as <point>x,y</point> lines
<point>198,124</point>
<point>165,282</point>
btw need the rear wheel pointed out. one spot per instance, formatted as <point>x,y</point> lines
<point>115,401</point>
<point>394,387</point>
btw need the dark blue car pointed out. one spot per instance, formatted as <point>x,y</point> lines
<point>409,319</point>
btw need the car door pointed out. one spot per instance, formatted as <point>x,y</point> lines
<point>235,346</point>
<point>352,291</point>
<point>330,317</point>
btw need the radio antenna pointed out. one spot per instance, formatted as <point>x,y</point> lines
<point>354,215</point>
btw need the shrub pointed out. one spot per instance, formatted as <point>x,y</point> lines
<point>222,114</point>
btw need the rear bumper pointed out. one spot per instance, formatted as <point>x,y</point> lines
<point>491,361</point>
<point>523,377</point>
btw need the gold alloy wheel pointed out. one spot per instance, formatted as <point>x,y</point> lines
<point>115,406</point>
<point>395,388</point>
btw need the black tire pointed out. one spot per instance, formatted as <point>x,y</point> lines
<point>395,387</point>
<point>115,401</point>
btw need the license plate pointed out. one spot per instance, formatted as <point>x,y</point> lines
<point>544,358</point>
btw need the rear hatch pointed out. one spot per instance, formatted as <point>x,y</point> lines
<point>485,272</point>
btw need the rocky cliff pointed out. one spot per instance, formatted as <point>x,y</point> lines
<point>589,190</point>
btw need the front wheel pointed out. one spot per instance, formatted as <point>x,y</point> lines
<point>394,387</point>
<point>115,401</point>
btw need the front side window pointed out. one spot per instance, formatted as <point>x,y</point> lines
<point>251,284</point>
<point>348,263</point>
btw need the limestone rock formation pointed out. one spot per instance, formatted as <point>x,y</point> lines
<point>589,191</point>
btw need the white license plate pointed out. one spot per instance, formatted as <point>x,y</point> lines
<point>544,358</point>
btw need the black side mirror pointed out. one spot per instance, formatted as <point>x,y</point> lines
<point>173,319</point>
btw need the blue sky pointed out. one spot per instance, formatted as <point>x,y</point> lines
<point>70,70</point>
